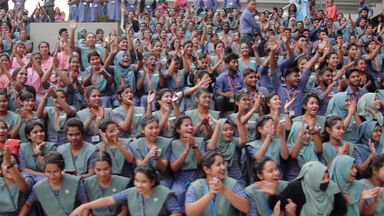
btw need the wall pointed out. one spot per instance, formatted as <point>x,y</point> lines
<point>49,31</point>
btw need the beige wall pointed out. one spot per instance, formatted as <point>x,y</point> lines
<point>49,31</point>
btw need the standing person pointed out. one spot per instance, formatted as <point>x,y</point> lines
<point>49,9</point>
<point>248,23</point>
<point>302,9</point>
<point>228,83</point>
<point>331,10</point>
<point>229,5</point>
<point>149,198</point>
<point>206,5</point>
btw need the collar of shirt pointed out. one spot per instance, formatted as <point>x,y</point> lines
<point>237,74</point>
<point>350,91</point>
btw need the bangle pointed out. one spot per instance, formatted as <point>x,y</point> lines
<point>320,53</point>
<point>194,147</point>
<point>286,113</point>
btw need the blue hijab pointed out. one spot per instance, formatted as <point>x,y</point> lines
<point>365,133</point>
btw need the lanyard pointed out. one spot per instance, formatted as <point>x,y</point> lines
<point>149,80</point>
<point>268,154</point>
<point>96,80</point>
<point>16,100</point>
<point>97,116</point>
<point>246,65</point>
<point>57,120</point>
<point>146,151</point>
<point>377,65</point>
<point>246,128</point>
<point>328,95</point>
<point>230,84</point>
<point>177,80</point>
<point>354,97</point>
<point>211,203</point>
<point>289,97</point>
<point>267,209</point>
<point>31,78</point>
<point>333,149</point>
<point>3,82</point>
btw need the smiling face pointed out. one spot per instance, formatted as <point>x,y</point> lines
<point>53,173</point>
<point>270,172</point>
<point>21,77</point>
<point>217,168</point>
<point>142,183</point>
<point>166,99</point>
<point>151,131</point>
<point>227,132</point>
<point>274,103</point>
<point>3,132</point>
<point>125,60</point>
<point>186,128</point>
<point>94,99</point>
<point>354,79</point>
<point>312,106</point>
<point>28,104</point>
<point>376,134</point>
<point>94,61</point>
<point>352,173</point>
<point>4,102</point>
<point>376,103</point>
<point>244,49</point>
<point>333,60</point>
<point>112,132</point>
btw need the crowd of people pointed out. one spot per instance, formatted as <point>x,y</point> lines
<point>193,110</point>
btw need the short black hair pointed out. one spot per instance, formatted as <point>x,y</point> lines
<point>349,72</point>
<point>289,71</point>
<point>230,57</point>
<point>62,30</point>
<point>74,122</point>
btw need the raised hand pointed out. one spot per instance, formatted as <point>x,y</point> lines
<point>151,97</point>
<point>372,148</point>
<point>266,187</point>
<point>368,194</point>
<point>73,25</point>
<point>288,104</point>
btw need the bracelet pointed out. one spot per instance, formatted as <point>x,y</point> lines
<point>320,53</point>
<point>10,166</point>
<point>194,147</point>
<point>286,113</point>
